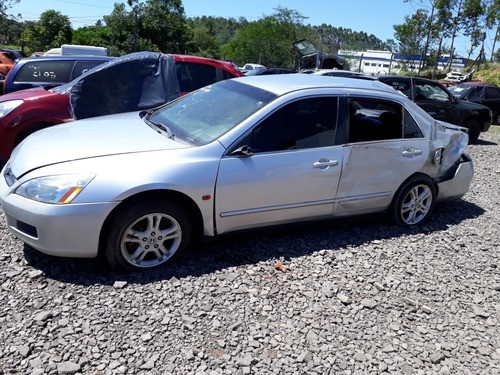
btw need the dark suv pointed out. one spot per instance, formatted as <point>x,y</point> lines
<point>482,93</point>
<point>436,100</point>
<point>49,71</point>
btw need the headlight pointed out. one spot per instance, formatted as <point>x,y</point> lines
<point>7,107</point>
<point>54,189</point>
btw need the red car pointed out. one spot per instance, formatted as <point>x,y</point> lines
<point>132,82</point>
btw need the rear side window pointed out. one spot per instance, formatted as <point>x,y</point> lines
<point>378,120</point>
<point>492,93</point>
<point>399,84</point>
<point>45,71</point>
<point>82,67</point>
<point>193,76</point>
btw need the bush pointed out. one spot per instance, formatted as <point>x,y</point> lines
<point>491,75</point>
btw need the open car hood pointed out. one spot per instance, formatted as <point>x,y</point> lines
<point>313,58</point>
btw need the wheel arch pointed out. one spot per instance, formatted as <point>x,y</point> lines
<point>414,178</point>
<point>181,199</point>
<point>417,175</point>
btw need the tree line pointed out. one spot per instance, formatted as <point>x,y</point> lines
<point>162,25</point>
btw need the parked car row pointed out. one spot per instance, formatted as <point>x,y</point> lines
<point>131,82</point>
<point>436,100</point>
<point>458,105</point>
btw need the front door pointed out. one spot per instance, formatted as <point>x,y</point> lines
<point>290,172</point>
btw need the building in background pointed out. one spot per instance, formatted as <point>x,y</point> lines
<point>386,62</point>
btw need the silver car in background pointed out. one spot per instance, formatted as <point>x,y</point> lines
<point>243,153</point>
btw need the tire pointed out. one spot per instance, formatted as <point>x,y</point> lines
<point>474,129</point>
<point>414,201</point>
<point>147,235</point>
<point>496,119</point>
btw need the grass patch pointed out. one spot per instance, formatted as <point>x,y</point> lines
<point>495,129</point>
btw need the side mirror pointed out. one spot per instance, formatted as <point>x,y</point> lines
<point>243,151</point>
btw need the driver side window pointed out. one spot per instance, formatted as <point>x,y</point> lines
<point>307,123</point>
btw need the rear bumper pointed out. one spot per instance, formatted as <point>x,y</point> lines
<point>459,183</point>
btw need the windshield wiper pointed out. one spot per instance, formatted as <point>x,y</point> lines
<point>161,128</point>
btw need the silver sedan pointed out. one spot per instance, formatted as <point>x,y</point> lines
<point>243,153</point>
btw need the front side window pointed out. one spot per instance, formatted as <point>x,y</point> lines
<point>307,123</point>
<point>378,120</point>
<point>425,90</point>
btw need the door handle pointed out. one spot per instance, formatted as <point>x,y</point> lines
<point>411,153</point>
<point>325,163</point>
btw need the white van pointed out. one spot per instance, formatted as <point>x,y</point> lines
<point>75,49</point>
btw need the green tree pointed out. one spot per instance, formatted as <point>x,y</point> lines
<point>154,25</point>
<point>268,41</point>
<point>474,23</point>
<point>96,35</point>
<point>411,35</point>
<point>203,42</point>
<point>493,22</point>
<point>164,23</point>
<point>52,30</point>
<point>5,5</point>
<point>208,34</point>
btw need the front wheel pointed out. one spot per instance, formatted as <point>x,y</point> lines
<point>414,201</point>
<point>147,235</point>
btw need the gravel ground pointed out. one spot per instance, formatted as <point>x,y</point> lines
<point>343,297</point>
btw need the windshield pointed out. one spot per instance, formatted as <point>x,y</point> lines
<point>208,113</point>
<point>305,47</point>
<point>459,90</point>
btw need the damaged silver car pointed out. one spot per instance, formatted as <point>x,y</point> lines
<point>239,154</point>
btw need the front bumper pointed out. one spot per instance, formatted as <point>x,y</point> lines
<point>71,230</point>
<point>457,184</point>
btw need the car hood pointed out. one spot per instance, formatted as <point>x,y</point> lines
<point>94,137</point>
<point>36,92</point>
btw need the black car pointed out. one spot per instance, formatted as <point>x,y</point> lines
<point>481,93</point>
<point>436,100</point>
<point>268,71</point>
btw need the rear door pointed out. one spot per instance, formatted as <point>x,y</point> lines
<point>385,146</point>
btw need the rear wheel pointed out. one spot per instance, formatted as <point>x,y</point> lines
<point>148,235</point>
<point>414,201</point>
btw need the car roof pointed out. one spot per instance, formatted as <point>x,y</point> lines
<point>64,58</point>
<point>476,83</point>
<point>207,61</point>
<point>281,84</point>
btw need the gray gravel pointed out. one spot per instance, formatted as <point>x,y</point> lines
<point>346,297</point>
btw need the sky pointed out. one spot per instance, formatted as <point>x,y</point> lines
<point>371,16</point>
